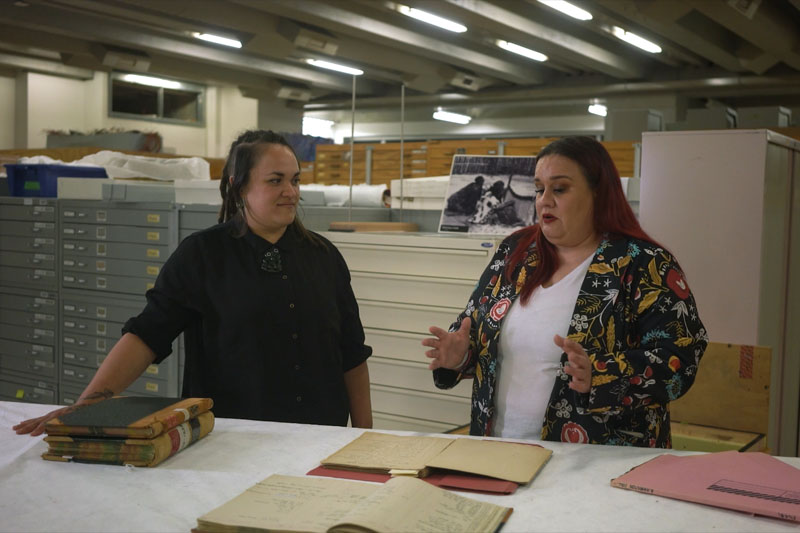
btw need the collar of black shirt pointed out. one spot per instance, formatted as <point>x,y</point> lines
<point>288,241</point>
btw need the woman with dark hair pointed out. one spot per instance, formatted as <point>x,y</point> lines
<point>582,328</point>
<point>270,322</point>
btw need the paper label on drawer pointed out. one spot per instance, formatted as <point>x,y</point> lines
<point>152,387</point>
<point>40,391</point>
<point>100,312</point>
<point>68,372</point>
<point>20,394</point>
<point>42,364</point>
<point>152,369</point>
<point>153,252</point>
<point>101,283</point>
<point>69,231</point>
<point>69,213</point>
<point>100,266</point>
<point>153,236</point>
<point>68,246</point>
<point>35,348</point>
<point>69,355</point>
<point>69,307</point>
<point>69,340</point>
<point>69,262</point>
<point>152,270</point>
<point>27,201</point>
<point>44,257</point>
<point>101,328</point>
<point>101,233</point>
<point>153,218</point>
<point>101,216</point>
<point>149,286</point>
<point>101,249</point>
<point>69,278</point>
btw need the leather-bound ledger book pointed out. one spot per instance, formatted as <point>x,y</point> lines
<point>135,417</point>
<point>136,452</point>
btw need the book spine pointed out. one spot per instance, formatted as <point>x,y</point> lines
<point>138,452</point>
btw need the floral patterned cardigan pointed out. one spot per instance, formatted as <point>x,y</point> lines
<point>637,321</point>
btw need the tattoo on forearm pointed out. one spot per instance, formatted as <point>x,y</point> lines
<point>105,394</point>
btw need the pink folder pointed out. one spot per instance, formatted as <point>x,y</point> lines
<point>755,483</point>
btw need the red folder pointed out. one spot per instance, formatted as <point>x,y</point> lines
<point>445,480</point>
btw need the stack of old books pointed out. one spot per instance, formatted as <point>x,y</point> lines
<point>138,431</point>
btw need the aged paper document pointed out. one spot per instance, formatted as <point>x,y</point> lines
<point>381,452</point>
<point>503,460</point>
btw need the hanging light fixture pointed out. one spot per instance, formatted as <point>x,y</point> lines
<point>430,18</point>
<point>334,66</point>
<point>211,38</point>
<point>447,116</point>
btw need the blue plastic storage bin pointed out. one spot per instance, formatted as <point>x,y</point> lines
<point>41,180</point>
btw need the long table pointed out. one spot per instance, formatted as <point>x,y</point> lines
<point>571,493</point>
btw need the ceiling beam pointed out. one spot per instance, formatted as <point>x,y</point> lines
<point>332,15</point>
<point>660,18</point>
<point>707,87</point>
<point>551,42</point>
<point>768,29</point>
<point>42,66</point>
<point>67,22</point>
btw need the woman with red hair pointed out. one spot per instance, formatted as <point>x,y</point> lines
<point>582,327</point>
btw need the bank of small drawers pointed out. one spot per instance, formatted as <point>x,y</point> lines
<point>404,284</point>
<point>28,299</point>
<point>111,254</point>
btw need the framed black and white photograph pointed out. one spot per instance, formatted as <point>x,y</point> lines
<point>489,194</point>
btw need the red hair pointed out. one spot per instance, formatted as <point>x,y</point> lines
<point>612,213</point>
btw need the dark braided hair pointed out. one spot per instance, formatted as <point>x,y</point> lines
<point>242,157</point>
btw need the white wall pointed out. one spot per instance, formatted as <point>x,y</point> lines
<point>7,115</point>
<point>55,103</point>
<point>235,113</point>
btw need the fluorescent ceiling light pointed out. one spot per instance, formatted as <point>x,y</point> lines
<point>521,50</point>
<point>210,37</point>
<point>568,9</point>
<point>635,40</point>
<point>598,109</point>
<point>333,66</point>
<point>430,18</point>
<point>451,117</point>
<point>151,81</point>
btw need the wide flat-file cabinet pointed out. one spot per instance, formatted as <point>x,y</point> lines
<point>111,254</point>
<point>405,283</point>
<point>727,203</point>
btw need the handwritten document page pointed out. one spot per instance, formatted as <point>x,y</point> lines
<point>409,504</point>
<point>287,503</point>
<point>381,452</point>
<point>503,460</point>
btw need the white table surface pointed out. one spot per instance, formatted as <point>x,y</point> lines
<point>571,493</point>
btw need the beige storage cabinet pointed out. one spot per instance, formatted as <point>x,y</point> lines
<point>405,283</point>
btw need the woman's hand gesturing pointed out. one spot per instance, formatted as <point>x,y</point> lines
<point>579,366</point>
<point>448,349</point>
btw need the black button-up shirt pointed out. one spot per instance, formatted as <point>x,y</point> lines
<point>267,339</point>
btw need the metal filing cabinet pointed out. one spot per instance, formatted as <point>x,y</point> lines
<point>28,300</point>
<point>111,254</point>
<point>192,218</point>
<point>405,283</point>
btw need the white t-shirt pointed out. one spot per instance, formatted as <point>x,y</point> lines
<point>528,358</point>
